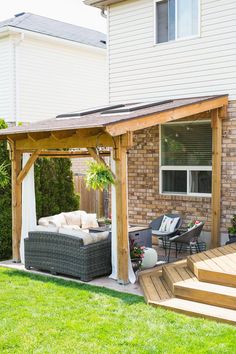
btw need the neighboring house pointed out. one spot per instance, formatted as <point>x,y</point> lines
<point>48,67</point>
<point>175,49</point>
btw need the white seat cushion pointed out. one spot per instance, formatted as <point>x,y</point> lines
<point>70,227</point>
<point>49,228</point>
<point>85,236</point>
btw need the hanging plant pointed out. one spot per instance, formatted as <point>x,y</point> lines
<point>4,178</point>
<point>98,176</point>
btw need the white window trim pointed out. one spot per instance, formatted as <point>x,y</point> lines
<point>181,168</point>
<point>198,35</point>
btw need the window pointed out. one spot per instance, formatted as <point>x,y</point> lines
<point>186,158</point>
<point>176,19</point>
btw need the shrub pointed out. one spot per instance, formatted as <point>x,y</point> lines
<point>54,187</point>
<point>5,201</point>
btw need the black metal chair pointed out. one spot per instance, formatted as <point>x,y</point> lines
<point>189,238</point>
<point>164,236</point>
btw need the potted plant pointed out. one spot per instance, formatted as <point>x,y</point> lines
<point>99,176</point>
<point>136,255</point>
<point>232,229</point>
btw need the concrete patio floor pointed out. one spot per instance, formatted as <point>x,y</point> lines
<point>104,282</point>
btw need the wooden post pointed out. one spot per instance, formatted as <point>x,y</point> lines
<point>216,177</point>
<point>122,212</point>
<point>16,205</point>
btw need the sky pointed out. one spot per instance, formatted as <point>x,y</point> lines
<point>71,11</point>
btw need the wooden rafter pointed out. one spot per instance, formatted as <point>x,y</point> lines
<point>82,139</point>
<point>148,121</point>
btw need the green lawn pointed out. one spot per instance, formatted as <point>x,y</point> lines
<point>43,315</point>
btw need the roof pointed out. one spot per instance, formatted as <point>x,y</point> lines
<point>108,117</point>
<point>58,29</point>
<point>101,3</point>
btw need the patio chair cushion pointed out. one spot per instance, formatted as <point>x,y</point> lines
<point>89,220</point>
<point>173,224</point>
<point>100,236</point>
<point>74,217</point>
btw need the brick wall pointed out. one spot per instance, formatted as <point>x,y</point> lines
<point>145,202</point>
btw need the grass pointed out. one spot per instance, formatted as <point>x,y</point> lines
<point>39,314</point>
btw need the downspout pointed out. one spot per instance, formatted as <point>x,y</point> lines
<point>103,14</point>
<point>16,44</point>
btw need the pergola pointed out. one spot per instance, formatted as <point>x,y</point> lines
<point>108,128</point>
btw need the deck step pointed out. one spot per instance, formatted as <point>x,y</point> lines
<point>177,272</point>
<point>207,293</point>
<point>158,293</point>
<point>216,266</point>
<point>196,309</point>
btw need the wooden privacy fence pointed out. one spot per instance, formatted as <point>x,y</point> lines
<point>90,200</point>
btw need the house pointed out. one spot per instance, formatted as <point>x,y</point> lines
<point>48,67</point>
<point>172,49</point>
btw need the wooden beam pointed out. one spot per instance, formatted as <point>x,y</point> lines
<point>70,154</point>
<point>122,214</point>
<point>134,124</point>
<point>63,134</point>
<point>16,205</point>
<point>216,177</point>
<point>27,167</point>
<point>85,137</point>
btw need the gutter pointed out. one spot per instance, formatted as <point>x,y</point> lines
<point>101,4</point>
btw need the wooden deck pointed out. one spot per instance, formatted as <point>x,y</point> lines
<point>204,285</point>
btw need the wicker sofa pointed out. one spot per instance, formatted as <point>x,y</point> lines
<point>61,253</point>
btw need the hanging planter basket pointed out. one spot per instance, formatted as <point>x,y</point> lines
<point>99,176</point>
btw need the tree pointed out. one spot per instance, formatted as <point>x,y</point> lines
<point>54,187</point>
<point>5,199</point>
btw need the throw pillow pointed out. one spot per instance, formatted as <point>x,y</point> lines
<point>173,224</point>
<point>44,221</point>
<point>74,217</point>
<point>89,220</point>
<point>165,224</point>
<point>58,220</point>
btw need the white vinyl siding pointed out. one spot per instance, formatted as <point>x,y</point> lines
<point>7,106</point>
<point>139,70</point>
<point>58,78</point>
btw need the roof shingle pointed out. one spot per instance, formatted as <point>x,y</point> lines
<point>54,28</point>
